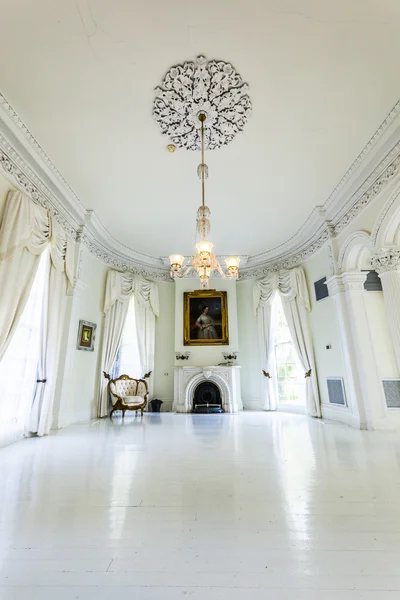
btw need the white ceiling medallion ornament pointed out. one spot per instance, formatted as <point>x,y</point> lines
<point>213,88</point>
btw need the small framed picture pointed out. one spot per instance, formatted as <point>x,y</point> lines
<point>86,336</point>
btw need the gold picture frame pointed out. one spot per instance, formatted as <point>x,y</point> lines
<point>86,336</point>
<point>205,318</point>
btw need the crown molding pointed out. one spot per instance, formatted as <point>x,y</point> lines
<point>26,165</point>
<point>369,175</point>
<point>28,168</point>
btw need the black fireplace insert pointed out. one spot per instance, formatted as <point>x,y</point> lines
<point>207,398</point>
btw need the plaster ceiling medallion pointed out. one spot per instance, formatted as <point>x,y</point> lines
<point>213,88</point>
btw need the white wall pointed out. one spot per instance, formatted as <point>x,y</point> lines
<point>164,350</point>
<point>380,334</point>
<point>203,356</point>
<point>249,356</point>
<point>323,323</point>
<point>79,370</point>
<point>323,326</point>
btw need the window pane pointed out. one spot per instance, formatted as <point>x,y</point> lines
<point>19,364</point>
<point>290,374</point>
<point>128,359</point>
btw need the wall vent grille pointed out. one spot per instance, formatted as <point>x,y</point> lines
<point>391,387</point>
<point>321,289</point>
<point>336,391</point>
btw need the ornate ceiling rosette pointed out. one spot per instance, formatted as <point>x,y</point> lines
<point>212,87</point>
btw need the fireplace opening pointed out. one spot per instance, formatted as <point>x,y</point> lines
<point>207,398</point>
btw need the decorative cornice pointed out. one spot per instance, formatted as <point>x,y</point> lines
<point>381,177</point>
<point>24,179</point>
<point>388,169</point>
<point>388,260</point>
<point>27,166</point>
<point>335,285</point>
<point>27,175</point>
<point>354,281</point>
<point>347,282</point>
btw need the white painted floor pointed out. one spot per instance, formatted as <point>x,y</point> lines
<point>209,507</point>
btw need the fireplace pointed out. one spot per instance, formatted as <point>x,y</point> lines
<point>207,398</point>
<point>226,380</point>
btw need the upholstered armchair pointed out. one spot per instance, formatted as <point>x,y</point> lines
<point>128,393</point>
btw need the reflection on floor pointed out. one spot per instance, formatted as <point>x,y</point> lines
<point>253,506</point>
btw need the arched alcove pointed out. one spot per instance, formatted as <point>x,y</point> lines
<point>354,256</point>
<point>355,252</point>
<point>386,230</point>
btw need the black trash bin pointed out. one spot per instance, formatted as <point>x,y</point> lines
<point>155,405</point>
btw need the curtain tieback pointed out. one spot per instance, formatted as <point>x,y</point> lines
<point>106,375</point>
<point>147,375</point>
<point>308,373</point>
<point>41,380</point>
<point>266,374</point>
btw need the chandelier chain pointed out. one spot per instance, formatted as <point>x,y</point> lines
<point>204,262</point>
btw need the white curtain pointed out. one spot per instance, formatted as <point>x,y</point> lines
<point>113,328</point>
<point>59,275</point>
<point>292,287</point>
<point>24,234</point>
<point>119,290</point>
<point>26,231</point>
<point>18,368</point>
<point>265,338</point>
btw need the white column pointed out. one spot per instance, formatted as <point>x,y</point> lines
<point>387,264</point>
<point>68,346</point>
<point>364,388</point>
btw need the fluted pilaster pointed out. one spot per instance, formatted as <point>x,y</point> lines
<point>387,264</point>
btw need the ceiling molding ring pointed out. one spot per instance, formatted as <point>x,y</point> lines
<point>212,87</point>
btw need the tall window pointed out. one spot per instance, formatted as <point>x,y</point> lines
<point>128,359</point>
<point>19,364</point>
<point>289,372</point>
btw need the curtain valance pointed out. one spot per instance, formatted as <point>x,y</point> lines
<point>28,225</point>
<point>26,231</point>
<point>289,283</point>
<point>121,286</point>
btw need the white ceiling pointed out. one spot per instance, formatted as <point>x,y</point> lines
<point>81,74</point>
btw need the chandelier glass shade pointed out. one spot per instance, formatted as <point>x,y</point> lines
<point>204,262</point>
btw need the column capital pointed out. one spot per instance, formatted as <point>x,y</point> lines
<point>386,260</point>
<point>351,281</point>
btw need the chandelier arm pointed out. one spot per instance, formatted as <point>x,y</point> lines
<point>222,272</point>
<point>183,272</point>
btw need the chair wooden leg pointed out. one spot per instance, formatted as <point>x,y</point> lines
<point>141,412</point>
<point>123,414</point>
<point>111,413</point>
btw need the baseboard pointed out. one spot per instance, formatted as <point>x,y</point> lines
<point>166,406</point>
<point>252,405</point>
<point>297,410</point>
<point>339,414</point>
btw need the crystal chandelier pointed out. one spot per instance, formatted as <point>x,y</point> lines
<point>204,262</point>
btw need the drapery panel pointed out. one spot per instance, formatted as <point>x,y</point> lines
<point>292,287</point>
<point>52,326</point>
<point>26,230</point>
<point>113,327</point>
<point>119,290</point>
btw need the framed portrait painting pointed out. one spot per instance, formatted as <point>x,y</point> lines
<point>86,336</point>
<point>205,318</point>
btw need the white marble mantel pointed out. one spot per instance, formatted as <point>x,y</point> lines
<point>186,379</point>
